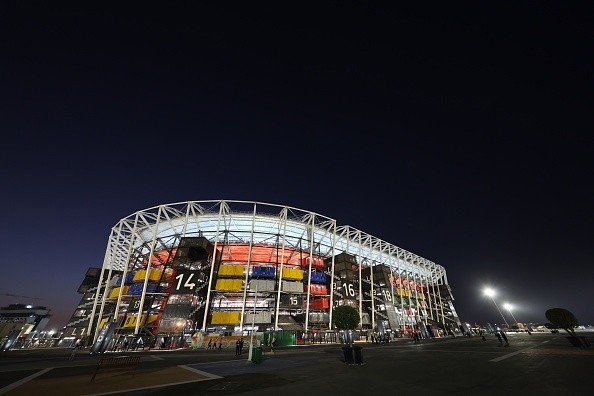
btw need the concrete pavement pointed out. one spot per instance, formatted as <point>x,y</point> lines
<point>540,363</point>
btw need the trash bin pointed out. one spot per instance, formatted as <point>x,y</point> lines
<point>348,354</point>
<point>257,355</point>
<point>358,356</point>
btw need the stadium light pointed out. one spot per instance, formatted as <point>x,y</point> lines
<point>491,294</point>
<point>509,307</point>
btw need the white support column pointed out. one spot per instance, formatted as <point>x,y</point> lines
<point>371,287</point>
<point>333,252</point>
<point>249,359</point>
<point>106,263</point>
<point>280,282</point>
<point>147,275</point>
<point>361,296</point>
<point>247,270</point>
<point>212,265</point>
<point>311,242</point>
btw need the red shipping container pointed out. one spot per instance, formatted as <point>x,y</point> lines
<point>318,262</point>
<point>305,262</point>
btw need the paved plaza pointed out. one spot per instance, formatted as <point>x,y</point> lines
<point>537,364</point>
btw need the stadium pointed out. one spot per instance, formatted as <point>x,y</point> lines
<point>233,268</point>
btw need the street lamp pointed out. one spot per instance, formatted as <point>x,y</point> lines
<point>509,307</point>
<point>491,293</point>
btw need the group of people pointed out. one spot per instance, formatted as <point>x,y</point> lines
<point>212,345</point>
<point>378,338</point>
<point>218,344</point>
<point>239,347</point>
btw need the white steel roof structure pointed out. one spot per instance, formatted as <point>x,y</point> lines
<point>161,226</point>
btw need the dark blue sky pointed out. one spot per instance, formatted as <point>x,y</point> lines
<point>460,133</point>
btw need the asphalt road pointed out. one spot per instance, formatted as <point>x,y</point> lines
<point>537,364</point>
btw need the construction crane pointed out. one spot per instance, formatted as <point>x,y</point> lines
<point>16,295</point>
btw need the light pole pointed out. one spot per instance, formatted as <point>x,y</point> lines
<point>509,307</point>
<point>491,293</point>
<point>249,359</point>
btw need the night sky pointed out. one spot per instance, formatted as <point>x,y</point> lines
<point>459,132</point>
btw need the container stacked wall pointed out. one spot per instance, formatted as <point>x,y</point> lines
<point>230,267</point>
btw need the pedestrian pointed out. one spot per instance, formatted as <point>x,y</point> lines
<point>498,337</point>
<point>237,347</point>
<point>209,346</point>
<point>220,343</point>
<point>504,338</point>
<point>241,346</point>
<point>482,334</point>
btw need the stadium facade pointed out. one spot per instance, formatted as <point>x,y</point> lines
<point>231,267</point>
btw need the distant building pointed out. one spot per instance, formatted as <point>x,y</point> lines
<point>19,322</point>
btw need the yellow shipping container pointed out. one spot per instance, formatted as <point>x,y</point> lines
<point>154,276</point>
<point>224,270</point>
<point>292,274</point>
<point>225,317</point>
<point>115,292</point>
<point>132,319</point>
<point>235,284</point>
<point>238,270</point>
<point>223,284</point>
<point>233,317</point>
<point>231,270</point>
<point>216,318</point>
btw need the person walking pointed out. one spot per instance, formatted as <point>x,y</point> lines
<point>482,334</point>
<point>209,346</point>
<point>220,343</point>
<point>241,346</point>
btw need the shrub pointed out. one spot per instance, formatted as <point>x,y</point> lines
<point>561,318</point>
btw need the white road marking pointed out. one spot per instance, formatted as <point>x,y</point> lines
<point>208,375</point>
<point>23,381</point>
<point>514,353</point>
